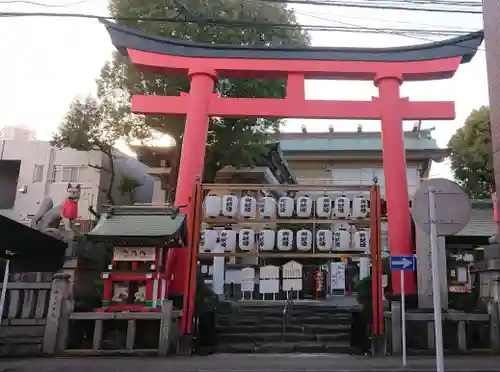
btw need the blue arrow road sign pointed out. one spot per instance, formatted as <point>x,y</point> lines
<point>403,263</point>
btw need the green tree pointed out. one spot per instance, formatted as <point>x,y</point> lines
<point>231,141</point>
<point>92,124</point>
<point>472,155</point>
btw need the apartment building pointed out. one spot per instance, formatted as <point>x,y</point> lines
<point>32,170</point>
<point>17,132</point>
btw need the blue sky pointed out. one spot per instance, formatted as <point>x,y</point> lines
<point>46,62</point>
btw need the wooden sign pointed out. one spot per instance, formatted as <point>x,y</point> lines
<point>134,254</point>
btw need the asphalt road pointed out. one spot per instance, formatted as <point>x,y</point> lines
<point>250,363</point>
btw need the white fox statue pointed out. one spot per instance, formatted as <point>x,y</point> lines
<point>48,218</point>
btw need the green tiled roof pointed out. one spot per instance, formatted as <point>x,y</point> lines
<point>138,221</point>
<point>352,144</point>
<point>481,223</point>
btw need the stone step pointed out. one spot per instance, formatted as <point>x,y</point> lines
<point>301,304</point>
<point>327,328</point>
<point>260,338</point>
<point>320,320</point>
<point>338,348</point>
<point>273,310</point>
<point>272,328</point>
<point>279,310</point>
<point>233,348</point>
<point>292,319</point>
<point>284,347</point>
<point>334,337</point>
<point>277,328</point>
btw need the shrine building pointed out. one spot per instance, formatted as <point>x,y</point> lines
<point>332,158</point>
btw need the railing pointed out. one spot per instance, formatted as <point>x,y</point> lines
<point>26,302</point>
<point>24,318</point>
<point>464,332</point>
<point>92,333</point>
<point>287,309</point>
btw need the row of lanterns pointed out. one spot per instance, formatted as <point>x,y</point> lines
<point>246,239</point>
<point>285,206</point>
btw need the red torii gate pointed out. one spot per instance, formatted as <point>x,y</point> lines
<point>205,64</point>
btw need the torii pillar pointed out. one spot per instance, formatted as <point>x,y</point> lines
<point>192,159</point>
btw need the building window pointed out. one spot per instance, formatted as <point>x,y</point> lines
<point>38,173</point>
<point>66,174</point>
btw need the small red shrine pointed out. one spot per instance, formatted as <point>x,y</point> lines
<point>140,238</point>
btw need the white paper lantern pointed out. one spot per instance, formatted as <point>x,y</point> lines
<point>208,239</point>
<point>227,240</point>
<point>341,239</point>
<point>304,240</point>
<point>213,205</point>
<point>359,207</point>
<point>324,206</point>
<point>229,205</point>
<point>267,239</point>
<point>248,206</point>
<point>304,206</point>
<point>362,241</point>
<point>324,240</point>
<point>246,239</point>
<point>267,207</point>
<point>285,240</point>
<point>342,207</point>
<point>285,206</point>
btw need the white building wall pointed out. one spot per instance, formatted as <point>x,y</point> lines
<point>365,176</point>
<point>60,167</point>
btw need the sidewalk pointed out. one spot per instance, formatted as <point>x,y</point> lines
<point>246,362</point>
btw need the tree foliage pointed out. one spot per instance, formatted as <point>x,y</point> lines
<point>472,155</point>
<point>231,141</point>
<point>92,124</point>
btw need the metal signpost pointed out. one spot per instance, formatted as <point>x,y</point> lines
<point>4,289</point>
<point>440,207</point>
<point>402,264</point>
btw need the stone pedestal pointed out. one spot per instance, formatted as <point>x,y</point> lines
<point>424,271</point>
<point>395,328</point>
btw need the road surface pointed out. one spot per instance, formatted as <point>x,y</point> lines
<point>250,363</point>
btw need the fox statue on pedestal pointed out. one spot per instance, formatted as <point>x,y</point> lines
<point>48,218</point>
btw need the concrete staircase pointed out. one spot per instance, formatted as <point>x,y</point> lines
<point>257,328</point>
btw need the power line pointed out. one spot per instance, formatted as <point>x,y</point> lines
<point>232,23</point>
<point>322,17</point>
<point>470,4</point>
<point>44,5</point>
<point>411,33</point>
<point>350,4</point>
<point>359,28</point>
